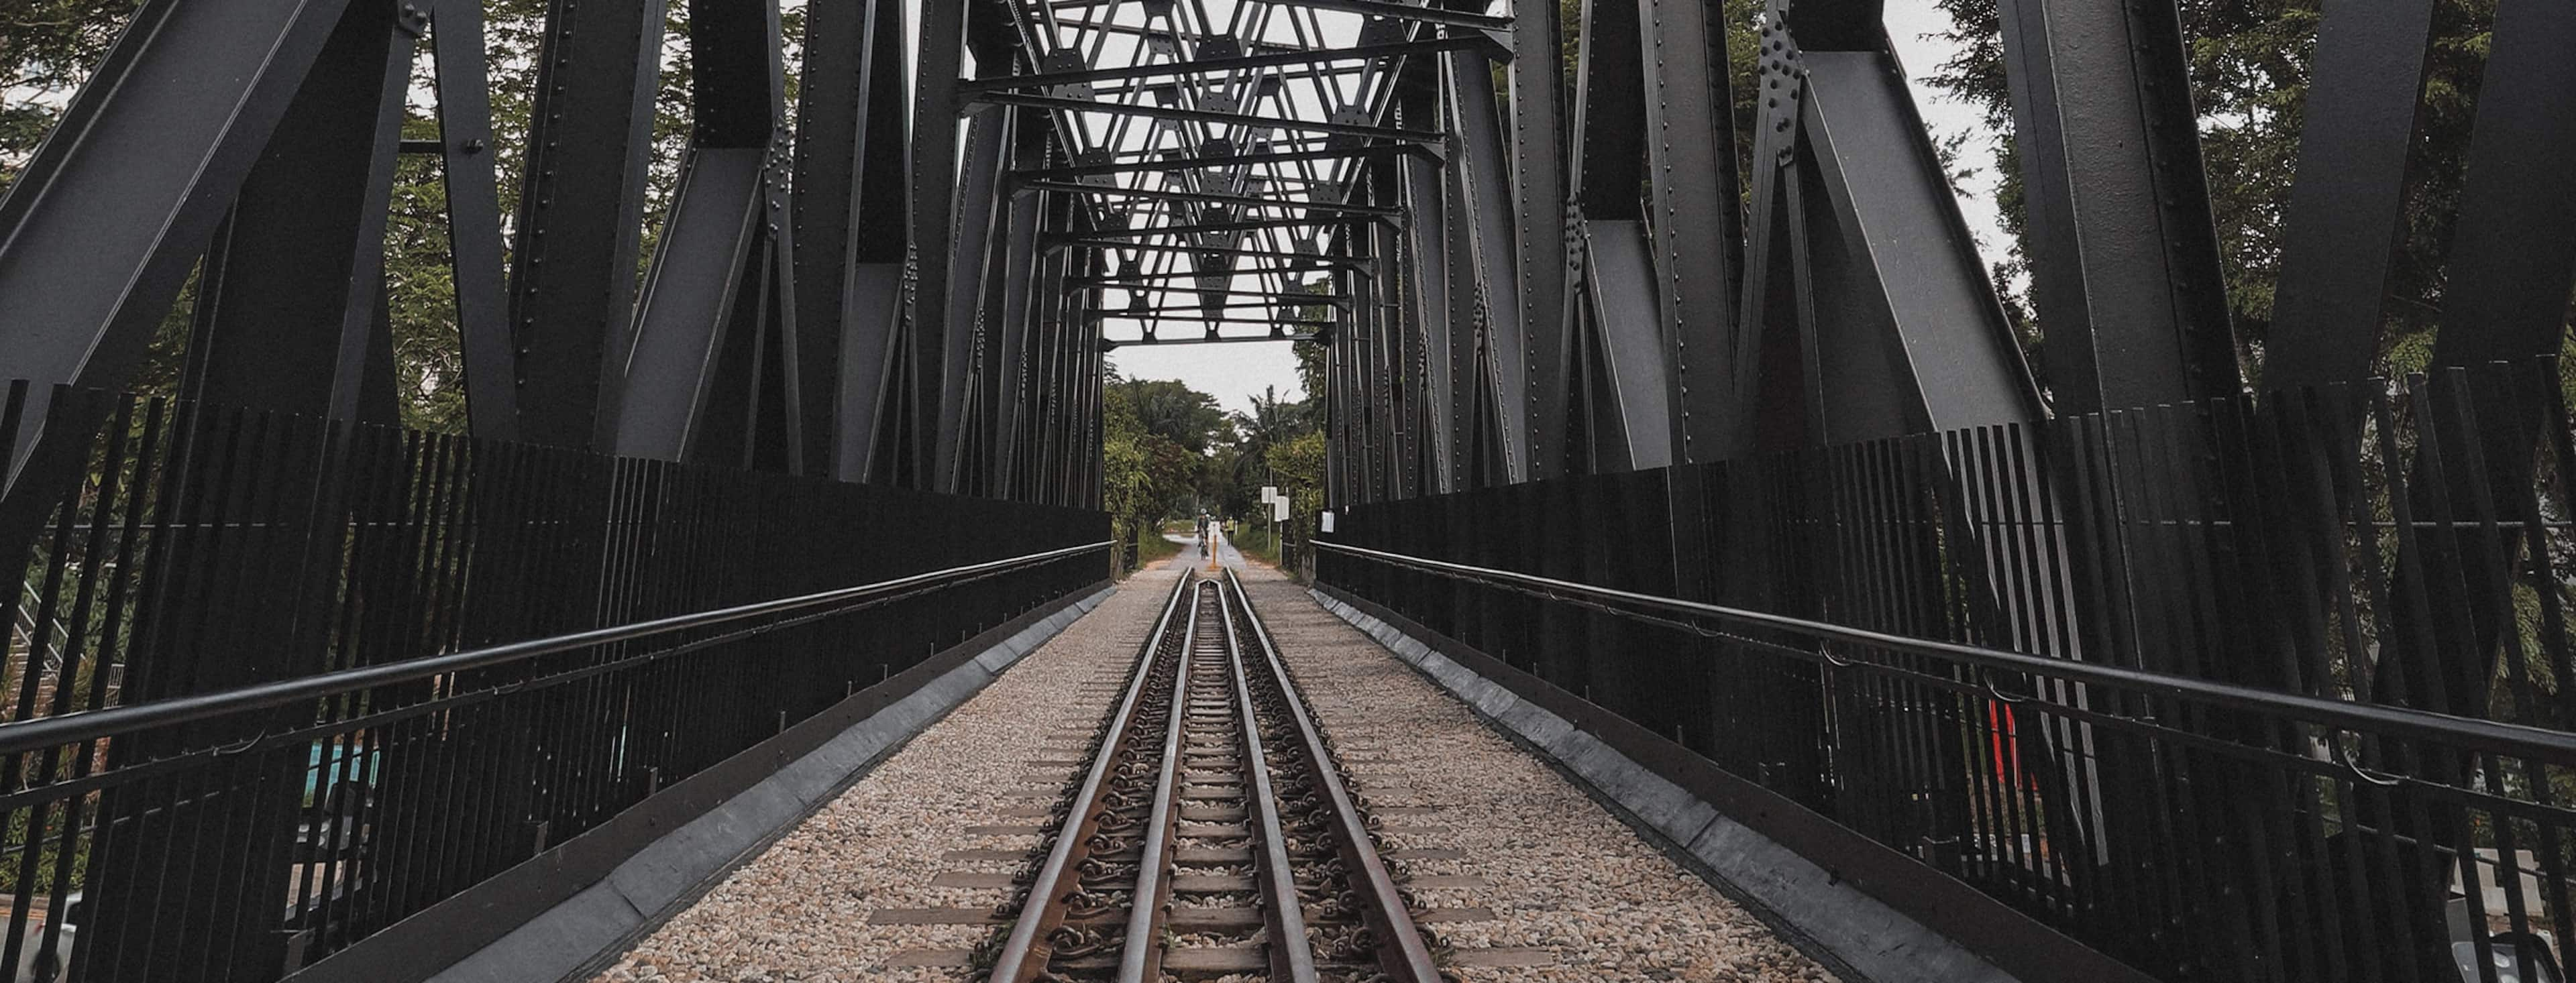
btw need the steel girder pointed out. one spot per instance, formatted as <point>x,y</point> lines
<point>280,124</point>
<point>288,303</point>
<point>580,222</point>
<point>849,215</point>
<point>1538,217</point>
<point>2125,266</point>
<point>101,230</point>
<point>1518,287</point>
<point>711,371</point>
<point>2347,200</point>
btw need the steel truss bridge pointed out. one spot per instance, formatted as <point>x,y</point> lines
<point>1667,389</point>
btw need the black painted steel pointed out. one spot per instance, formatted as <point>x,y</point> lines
<point>285,682</point>
<point>1552,280</point>
<point>2271,762</point>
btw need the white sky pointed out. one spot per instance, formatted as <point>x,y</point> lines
<point>1234,372</point>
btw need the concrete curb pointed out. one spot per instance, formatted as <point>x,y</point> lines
<point>1874,940</point>
<point>668,875</point>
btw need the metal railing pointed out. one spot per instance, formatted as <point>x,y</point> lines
<point>2007,770</point>
<point>357,671</point>
<point>2223,690</point>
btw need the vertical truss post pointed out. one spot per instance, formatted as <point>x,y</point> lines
<point>941,61</point>
<point>869,382</point>
<point>1427,270</point>
<point>1538,184</point>
<point>978,211</point>
<point>1624,404</point>
<point>572,284</point>
<point>1006,391</point>
<point>1690,146</point>
<point>849,129</point>
<point>1485,218</point>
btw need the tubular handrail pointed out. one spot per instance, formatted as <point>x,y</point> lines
<point>87,725</point>
<point>2515,739</point>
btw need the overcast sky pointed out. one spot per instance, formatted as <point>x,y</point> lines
<point>1234,372</point>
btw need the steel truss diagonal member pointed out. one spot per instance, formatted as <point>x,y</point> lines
<point>849,214</point>
<point>711,370</point>
<point>1866,311</point>
<point>2125,268</point>
<point>286,314</point>
<point>100,230</point>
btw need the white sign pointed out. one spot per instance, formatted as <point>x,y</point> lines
<point>1269,494</point>
<point>1326,519</point>
<point>1279,509</point>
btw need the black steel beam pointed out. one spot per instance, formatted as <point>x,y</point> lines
<point>1206,198</point>
<point>1221,339</point>
<point>2346,202</point>
<point>978,213</point>
<point>476,249</point>
<point>1177,113</point>
<point>1184,162</point>
<point>103,224</point>
<point>872,307</point>
<point>697,286</point>
<point>1697,217</point>
<point>711,368</point>
<point>287,302</point>
<point>1538,202</point>
<point>1377,8</point>
<point>1486,213</point>
<point>1208,228</point>
<point>840,115</point>
<point>1900,260</point>
<point>2512,255</point>
<point>932,234</point>
<point>2125,269</point>
<point>1020,256</point>
<point>1141,279</point>
<point>573,271</point>
<point>1114,245</point>
<point>1220,66</point>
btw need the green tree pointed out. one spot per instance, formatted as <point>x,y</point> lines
<point>2249,66</point>
<point>1174,411</point>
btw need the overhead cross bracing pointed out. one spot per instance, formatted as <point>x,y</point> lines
<point>1204,133</point>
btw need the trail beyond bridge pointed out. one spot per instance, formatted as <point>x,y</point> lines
<point>636,490</point>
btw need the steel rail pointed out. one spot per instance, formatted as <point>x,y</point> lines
<point>1402,954</point>
<point>1292,952</point>
<point>87,725</point>
<point>1023,955</point>
<point>1140,960</point>
<point>2515,739</point>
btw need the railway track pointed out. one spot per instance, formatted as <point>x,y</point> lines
<point>1212,834</point>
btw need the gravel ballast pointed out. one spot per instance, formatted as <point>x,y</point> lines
<point>1568,884</point>
<point>1532,880</point>
<point>802,910</point>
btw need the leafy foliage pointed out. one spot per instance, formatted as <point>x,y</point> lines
<point>2250,72</point>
